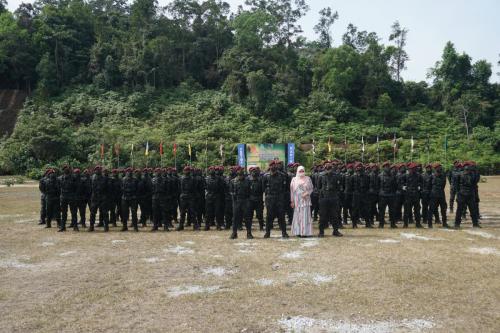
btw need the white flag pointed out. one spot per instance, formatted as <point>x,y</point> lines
<point>412,143</point>
<point>362,144</point>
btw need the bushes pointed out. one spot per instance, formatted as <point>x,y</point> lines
<point>70,129</point>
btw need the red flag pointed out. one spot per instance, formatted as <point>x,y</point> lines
<point>161,147</point>
<point>175,148</point>
<point>102,151</point>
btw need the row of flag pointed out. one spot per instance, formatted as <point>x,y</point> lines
<point>394,144</point>
<point>116,149</point>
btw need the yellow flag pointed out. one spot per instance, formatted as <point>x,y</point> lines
<point>189,150</point>
<point>146,152</point>
<point>329,145</point>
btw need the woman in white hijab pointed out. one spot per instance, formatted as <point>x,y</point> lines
<point>301,188</point>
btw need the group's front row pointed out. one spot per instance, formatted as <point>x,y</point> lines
<point>334,190</point>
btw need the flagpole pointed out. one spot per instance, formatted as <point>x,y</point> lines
<point>345,149</point>
<point>362,149</point>
<point>378,151</point>
<point>206,156</point>
<point>313,150</point>
<point>411,149</point>
<point>132,155</point>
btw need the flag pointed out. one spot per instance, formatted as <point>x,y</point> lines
<point>221,150</point>
<point>117,149</point>
<point>394,143</point>
<point>175,149</point>
<point>102,151</point>
<point>132,149</point>
<point>445,145</point>
<point>362,144</point>
<point>412,143</point>
<point>161,148</point>
<point>146,152</point>
<point>378,144</point>
<point>329,145</point>
<point>314,147</point>
<point>189,149</point>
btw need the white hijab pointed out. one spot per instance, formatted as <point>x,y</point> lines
<point>300,174</point>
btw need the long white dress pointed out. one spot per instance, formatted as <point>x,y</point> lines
<point>302,219</point>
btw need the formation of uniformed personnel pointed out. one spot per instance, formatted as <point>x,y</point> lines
<point>355,193</point>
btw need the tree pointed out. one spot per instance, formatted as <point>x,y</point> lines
<point>287,13</point>
<point>3,6</point>
<point>399,56</point>
<point>385,109</point>
<point>358,40</point>
<point>324,26</point>
<point>452,75</point>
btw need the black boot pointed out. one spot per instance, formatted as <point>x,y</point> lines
<point>233,236</point>
<point>106,228</point>
<point>48,225</point>
<point>418,225</point>
<point>267,234</point>
<point>91,228</point>
<point>336,233</point>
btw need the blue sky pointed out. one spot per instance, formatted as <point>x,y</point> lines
<point>473,26</point>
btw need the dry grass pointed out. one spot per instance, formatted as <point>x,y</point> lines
<point>53,282</point>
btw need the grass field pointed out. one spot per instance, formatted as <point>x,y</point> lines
<point>402,280</point>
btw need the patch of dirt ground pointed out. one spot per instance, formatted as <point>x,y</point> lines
<point>367,281</point>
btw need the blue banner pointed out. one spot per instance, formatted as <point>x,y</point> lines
<point>291,152</point>
<point>241,155</point>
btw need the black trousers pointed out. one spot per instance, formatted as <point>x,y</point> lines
<point>453,193</point>
<point>412,203</point>
<point>328,207</point>
<point>275,209</point>
<point>187,208</point>
<point>129,205</point>
<point>228,212</point>
<point>383,203</point>
<point>464,202</point>
<point>399,203</point>
<point>240,213</point>
<point>314,205</point>
<point>99,204</point>
<point>214,210</point>
<point>434,203</point>
<point>359,208</point>
<point>347,206</point>
<point>82,210</point>
<point>257,206</point>
<point>145,206</point>
<point>372,207</point>
<point>43,208</point>
<point>115,210</point>
<point>53,209</point>
<point>160,211</point>
<point>65,204</point>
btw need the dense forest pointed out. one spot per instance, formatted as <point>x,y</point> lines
<point>119,74</point>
